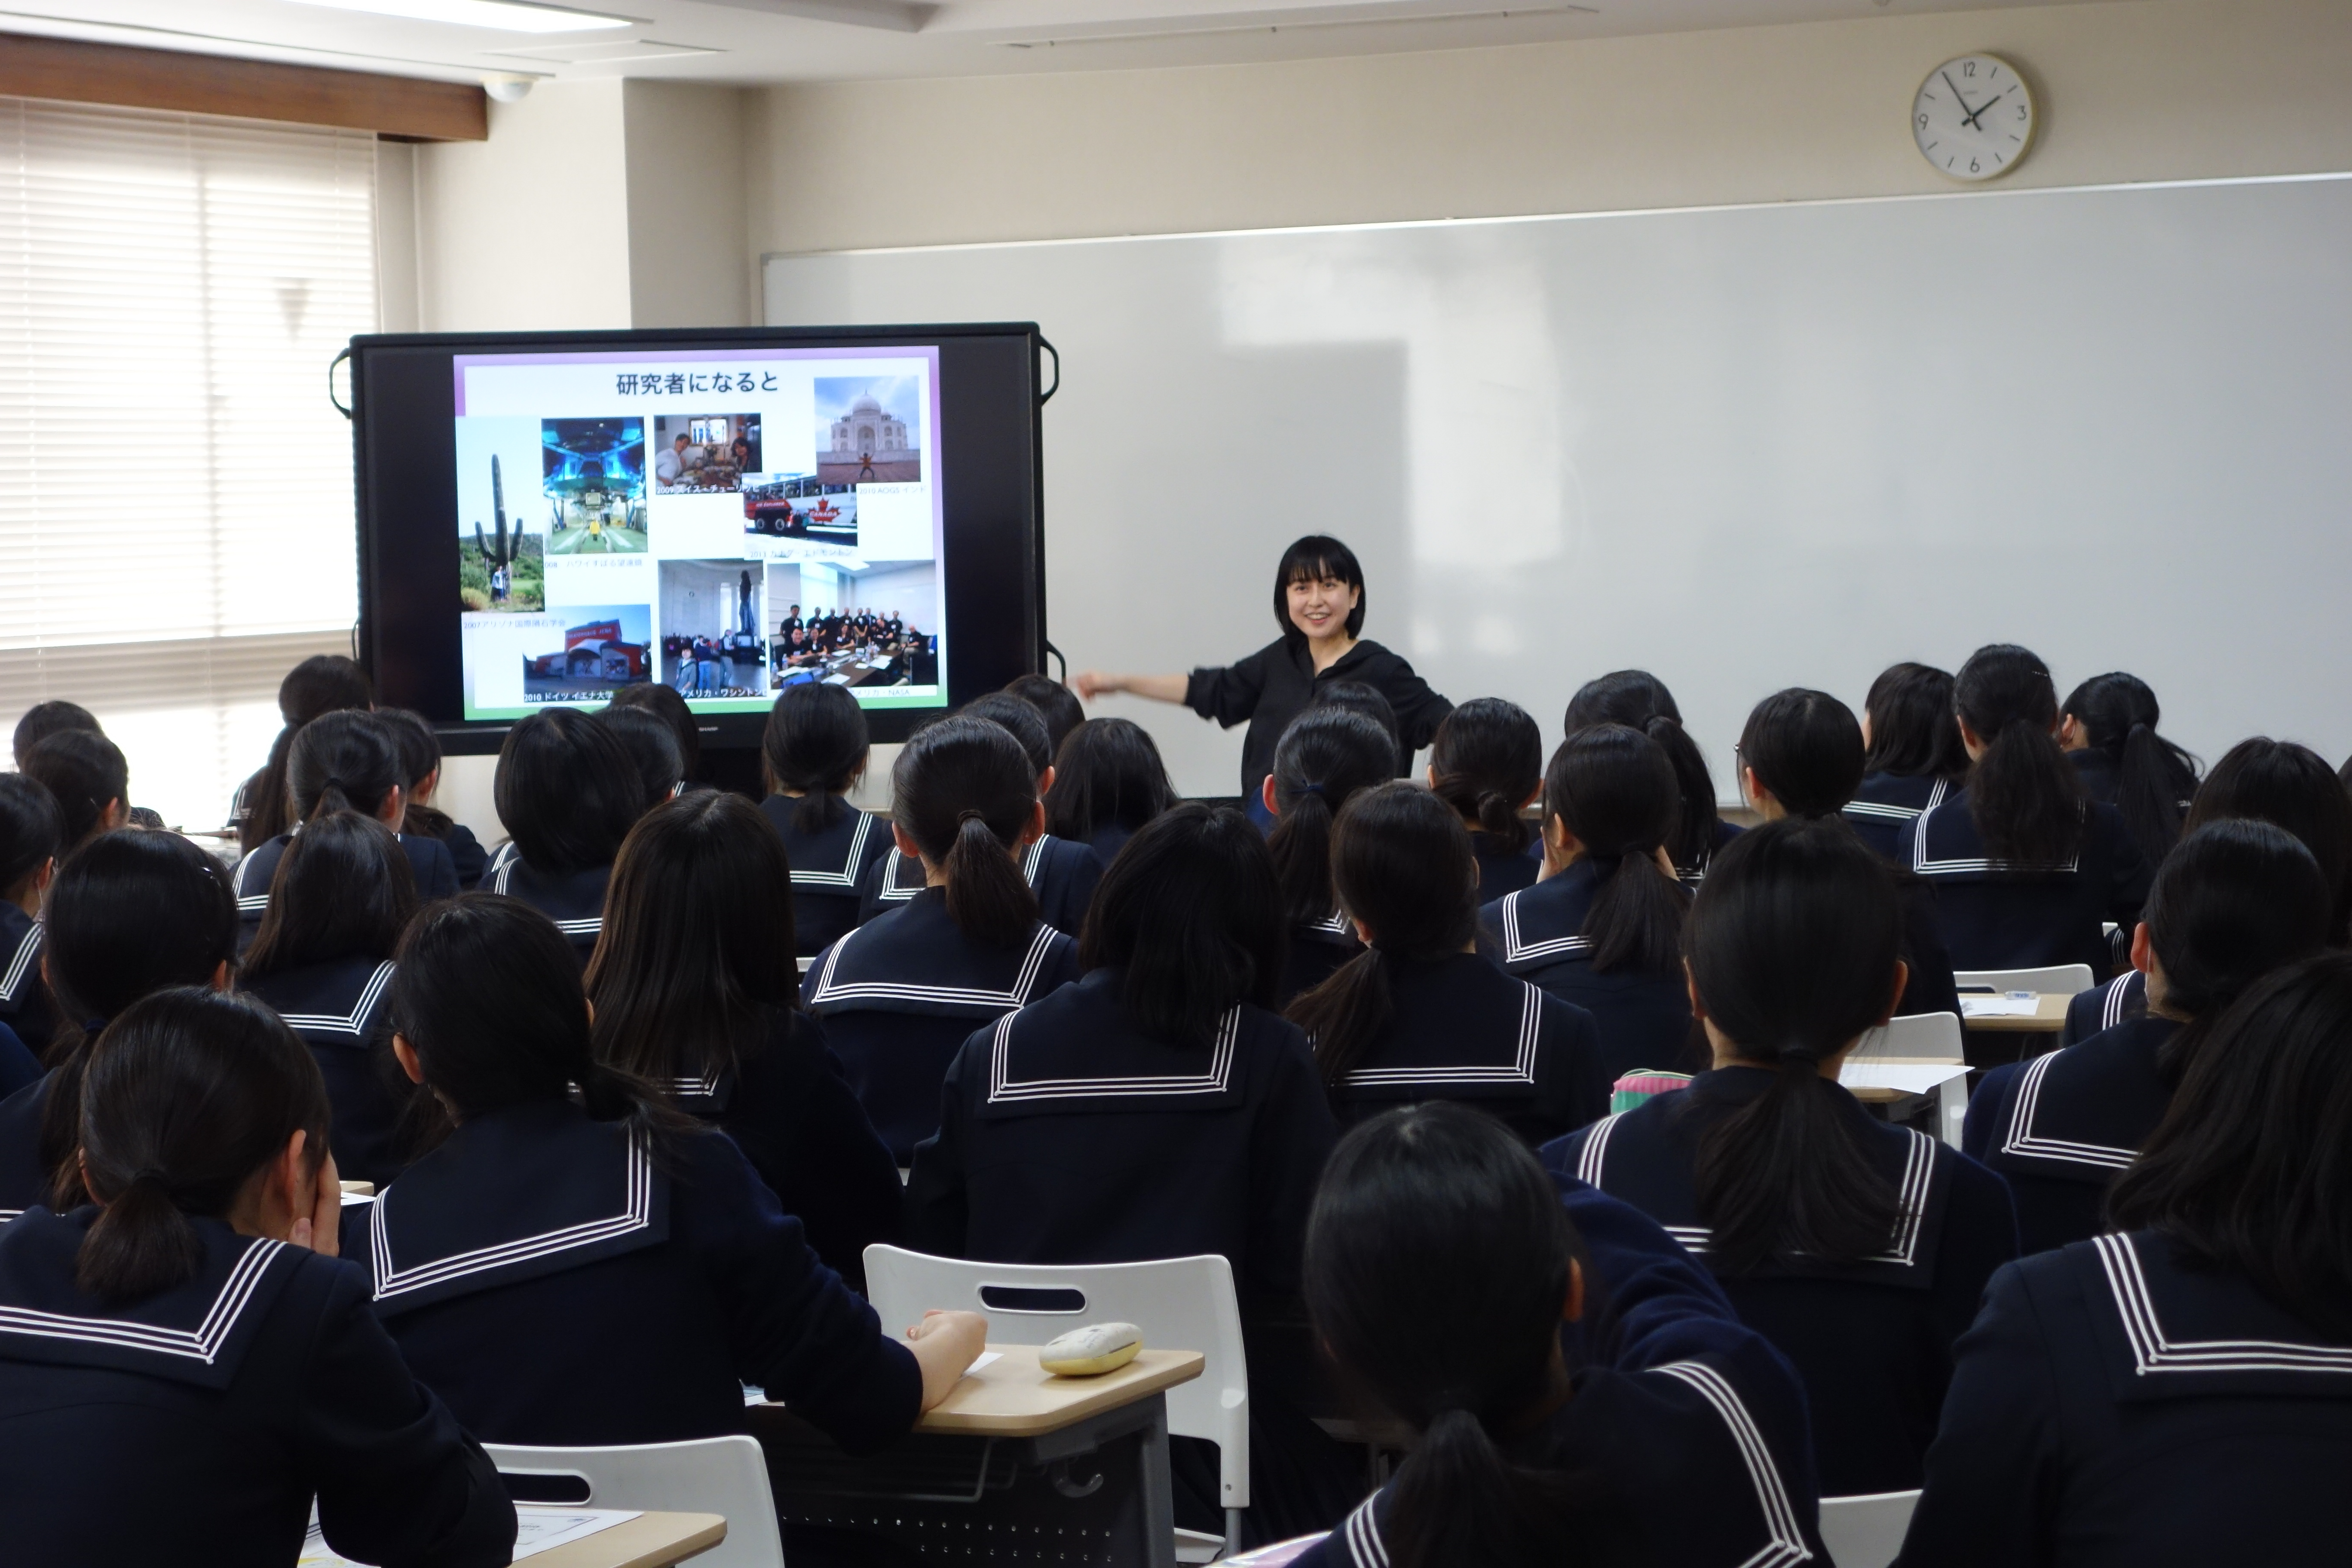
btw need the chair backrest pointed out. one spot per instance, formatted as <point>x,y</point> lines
<point>1179,1303</point>
<point>725,1475</point>
<point>1914,1038</point>
<point>2057,980</point>
<point>1866,1531</point>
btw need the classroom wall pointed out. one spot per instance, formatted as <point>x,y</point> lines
<point>688,264</point>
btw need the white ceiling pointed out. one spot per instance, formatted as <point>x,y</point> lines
<point>758,41</point>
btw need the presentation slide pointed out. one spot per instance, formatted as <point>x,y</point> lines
<point>729,522</point>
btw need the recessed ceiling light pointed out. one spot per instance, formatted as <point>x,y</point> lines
<point>504,15</point>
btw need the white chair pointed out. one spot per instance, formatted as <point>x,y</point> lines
<point>2057,980</point>
<point>1866,1531</point>
<point>1914,1038</point>
<point>1179,1303</point>
<point>725,1475</point>
<point>1917,1054</point>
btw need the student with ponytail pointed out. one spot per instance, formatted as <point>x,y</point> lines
<point>652,749</point>
<point>899,994</point>
<point>1328,756</point>
<point>1486,762</point>
<point>2108,730</point>
<point>1912,754</point>
<point>32,836</point>
<point>1640,701</point>
<point>1108,783</point>
<point>812,754</point>
<point>420,768</point>
<point>568,793</point>
<point>323,683</point>
<point>87,776</point>
<point>576,1264</point>
<point>1857,1248</point>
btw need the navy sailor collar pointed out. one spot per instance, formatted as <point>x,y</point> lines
<point>853,831</point>
<point>897,868</point>
<point>1544,924</point>
<point>561,898</point>
<point>333,1003</point>
<point>1335,927</point>
<point>2079,1114</point>
<point>20,964</point>
<point>1945,843</point>
<point>916,958</point>
<point>2171,1330</point>
<point>1082,1053</point>
<point>1487,1026</point>
<point>1935,787</point>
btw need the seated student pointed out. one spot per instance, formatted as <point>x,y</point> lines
<point>1325,758</point>
<point>420,769</point>
<point>899,994</point>
<point>1912,758</point>
<point>568,794</point>
<point>696,991</point>
<point>342,894</point>
<point>2236,901</point>
<point>184,1376</point>
<point>664,703</point>
<point>1858,1248</point>
<point>2174,1394</point>
<point>43,720</point>
<point>1604,928</point>
<point>1109,780</point>
<point>1056,703</point>
<point>323,683</point>
<point>2025,867</point>
<point>85,772</point>
<point>1440,1271</point>
<point>1419,1013</point>
<point>2108,730</point>
<point>1362,696</point>
<point>32,836</point>
<point>1486,762</point>
<point>577,1265</point>
<point>1640,701</point>
<point>812,754</point>
<point>645,736</point>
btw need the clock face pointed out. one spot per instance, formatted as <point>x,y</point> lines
<point>1973,118</point>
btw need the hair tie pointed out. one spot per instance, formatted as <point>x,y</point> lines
<point>1607,862</point>
<point>1314,789</point>
<point>93,1026</point>
<point>970,814</point>
<point>150,1173</point>
<point>1797,1067</point>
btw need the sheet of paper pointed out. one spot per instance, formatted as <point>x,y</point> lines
<point>536,1529</point>
<point>2016,1004</point>
<point>1271,1556</point>
<point>985,1357</point>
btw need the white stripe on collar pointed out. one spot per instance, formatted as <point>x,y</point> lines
<point>1787,1543</point>
<point>1896,813</point>
<point>505,855</point>
<point>591,925</point>
<point>1031,863</point>
<point>353,1023</point>
<point>202,1344</point>
<point>2021,1138</point>
<point>501,872</point>
<point>1595,1153</point>
<point>706,1086</point>
<point>1521,1069</point>
<point>635,1213</point>
<point>2153,1350</point>
<point>1515,951</point>
<point>237,880</point>
<point>1362,1534</point>
<point>1002,1086</point>
<point>1927,868</point>
<point>2118,997</point>
<point>20,962</point>
<point>847,876</point>
<point>1335,924</point>
<point>1040,943</point>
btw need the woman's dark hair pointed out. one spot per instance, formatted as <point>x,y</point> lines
<point>2281,782</point>
<point>1640,701</point>
<point>2251,1169</point>
<point>1056,703</point>
<point>651,746</point>
<point>1021,720</point>
<point>1402,864</point>
<point>1361,697</point>
<point>1912,734</point>
<point>697,941</point>
<point>1805,747</point>
<point>1614,789</point>
<point>567,792</point>
<point>1108,774</point>
<point>2024,794</point>
<point>816,743</point>
<point>323,683</point>
<point>43,720</point>
<point>1323,760</point>
<point>1488,758</point>
<point>344,760</point>
<point>342,890</point>
<point>664,703</point>
<point>32,832</point>
<point>1190,916</point>
<point>84,772</point>
<point>1793,944</point>
<point>184,1099</point>
<point>1439,1263</point>
<point>964,790</point>
<point>420,759</point>
<point>2154,778</point>
<point>1310,560</point>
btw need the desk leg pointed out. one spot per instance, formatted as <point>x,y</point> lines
<point>1159,1509</point>
<point>1952,1107</point>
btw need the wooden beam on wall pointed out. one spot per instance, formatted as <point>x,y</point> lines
<point>404,107</point>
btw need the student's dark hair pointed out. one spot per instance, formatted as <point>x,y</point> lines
<point>567,791</point>
<point>1806,748</point>
<point>345,761</point>
<point>2251,1169</point>
<point>1488,757</point>
<point>1190,916</point>
<point>696,946</point>
<point>1402,864</point>
<point>1323,760</point>
<point>1311,559</point>
<point>84,772</point>
<point>815,742</point>
<point>2281,782</point>
<point>1056,703</point>
<point>323,683</point>
<point>1640,701</point>
<point>1912,734</point>
<point>420,759</point>
<point>1021,720</point>
<point>1438,1263</point>
<point>2024,794</point>
<point>32,831</point>
<point>1614,789</point>
<point>1361,697</point>
<point>1792,944</point>
<point>964,790</point>
<point>342,890</point>
<point>183,1099</point>
<point>664,703</point>
<point>1108,774</point>
<point>2118,716</point>
<point>43,720</point>
<point>645,736</point>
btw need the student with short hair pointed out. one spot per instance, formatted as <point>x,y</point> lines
<point>32,836</point>
<point>1328,757</point>
<point>664,703</point>
<point>1056,703</point>
<point>420,766</point>
<point>85,772</point>
<point>43,720</point>
<point>652,746</point>
<point>1640,701</point>
<point>812,754</point>
<point>323,683</point>
<point>2108,730</point>
<point>1109,781</point>
<point>1486,762</point>
<point>1361,697</point>
<point>1912,758</point>
<point>186,1366</point>
<point>568,793</point>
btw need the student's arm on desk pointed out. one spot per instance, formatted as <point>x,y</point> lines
<point>945,1345</point>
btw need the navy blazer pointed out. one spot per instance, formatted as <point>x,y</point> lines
<point>338,1009</point>
<point>575,902</point>
<point>1997,916</point>
<point>25,1003</point>
<point>197,1425</point>
<point>1643,1019</point>
<point>1883,803</point>
<point>2104,1006</point>
<point>1062,873</point>
<point>428,860</point>
<point>829,865</point>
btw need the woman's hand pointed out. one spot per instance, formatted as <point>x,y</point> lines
<point>321,1229</point>
<point>945,1344</point>
<point>1090,684</point>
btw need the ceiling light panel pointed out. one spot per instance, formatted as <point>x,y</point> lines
<point>500,16</point>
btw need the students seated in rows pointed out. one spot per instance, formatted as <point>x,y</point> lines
<point>323,683</point>
<point>1486,762</point>
<point>568,794</point>
<point>2026,866</point>
<point>812,754</point>
<point>664,703</point>
<point>1912,758</point>
<point>2175,1395</point>
<point>85,772</point>
<point>1640,701</point>
<point>2236,901</point>
<point>1362,696</point>
<point>1109,780</point>
<point>1056,703</point>
<point>1325,760</point>
<point>577,1264</point>
<point>420,770</point>
<point>32,836</point>
<point>645,736</point>
<point>184,1375</point>
<point>1440,1268</point>
<point>1857,1248</point>
<point>1419,1013</point>
<point>899,994</point>
<point>1604,928</point>
<point>697,992</point>
<point>2108,730</point>
<point>43,720</point>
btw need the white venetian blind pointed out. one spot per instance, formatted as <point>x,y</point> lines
<point>176,488</point>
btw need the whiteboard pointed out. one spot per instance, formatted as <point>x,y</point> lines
<point>1745,447</point>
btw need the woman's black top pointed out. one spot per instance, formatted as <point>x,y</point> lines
<point>197,1425</point>
<point>1872,1338</point>
<point>1318,948</point>
<point>2118,1405</point>
<point>1062,874</point>
<point>25,1003</point>
<point>1538,935</point>
<point>1883,803</point>
<point>1503,869</point>
<point>1996,915</point>
<point>338,1009</point>
<point>1275,684</point>
<point>828,867</point>
<point>575,902</point>
<point>428,861</point>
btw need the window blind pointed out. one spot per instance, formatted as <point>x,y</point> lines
<point>176,488</point>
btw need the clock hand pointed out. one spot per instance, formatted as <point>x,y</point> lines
<point>1956,90</point>
<point>1972,119</point>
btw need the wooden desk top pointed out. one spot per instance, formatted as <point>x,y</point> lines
<point>2049,1016</point>
<point>1013,1397</point>
<point>648,1540</point>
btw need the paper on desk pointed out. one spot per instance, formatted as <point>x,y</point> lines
<point>985,1357</point>
<point>536,1529</point>
<point>1271,1556</point>
<point>2015,1004</point>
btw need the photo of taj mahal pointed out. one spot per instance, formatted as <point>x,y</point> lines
<point>867,430</point>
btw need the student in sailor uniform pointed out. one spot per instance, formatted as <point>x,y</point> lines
<point>1109,780</point>
<point>578,1264</point>
<point>85,772</point>
<point>43,720</point>
<point>31,834</point>
<point>1604,928</point>
<point>1640,701</point>
<point>2026,866</point>
<point>2177,1395</point>
<point>2281,782</point>
<point>812,754</point>
<point>1419,1014</point>
<point>323,683</point>
<point>568,795</point>
<point>420,768</point>
<point>1328,757</point>
<point>1056,703</point>
<point>645,737</point>
<point>2236,901</point>
<point>1487,764</point>
<point>2108,730</point>
<point>184,1375</point>
<point>697,992</point>
<point>1913,756</point>
<point>898,995</point>
<point>1440,1268</point>
<point>664,703</point>
<point>1857,1248</point>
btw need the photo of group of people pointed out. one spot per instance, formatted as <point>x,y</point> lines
<point>867,627</point>
<point>711,615</point>
<point>704,454</point>
<point>606,648</point>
